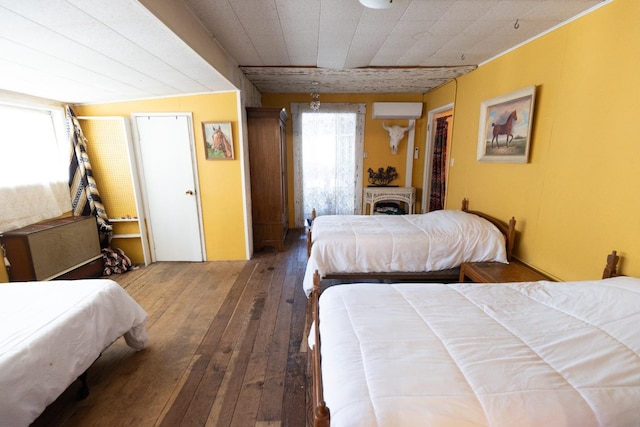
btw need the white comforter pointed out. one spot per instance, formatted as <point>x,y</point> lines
<point>51,332</point>
<point>527,354</point>
<point>401,243</point>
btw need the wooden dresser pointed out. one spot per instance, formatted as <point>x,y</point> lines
<point>268,169</point>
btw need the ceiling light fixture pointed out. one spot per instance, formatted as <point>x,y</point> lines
<point>315,97</point>
<point>377,4</point>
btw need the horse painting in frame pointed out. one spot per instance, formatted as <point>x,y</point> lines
<point>504,129</point>
<point>218,141</point>
<point>510,115</point>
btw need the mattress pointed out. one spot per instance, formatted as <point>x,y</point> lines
<point>51,332</point>
<point>434,241</point>
<point>518,354</point>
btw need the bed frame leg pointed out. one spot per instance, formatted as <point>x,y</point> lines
<point>83,392</point>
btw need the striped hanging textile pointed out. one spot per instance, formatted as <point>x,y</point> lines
<point>439,166</point>
<point>85,197</point>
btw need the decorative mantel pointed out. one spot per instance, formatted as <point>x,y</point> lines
<point>373,195</point>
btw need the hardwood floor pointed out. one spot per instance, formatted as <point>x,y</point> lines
<point>226,348</point>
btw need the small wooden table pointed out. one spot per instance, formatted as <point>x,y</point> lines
<point>497,272</point>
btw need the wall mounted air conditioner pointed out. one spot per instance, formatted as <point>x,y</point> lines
<point>397,110</point>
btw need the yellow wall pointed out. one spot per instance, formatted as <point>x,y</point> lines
<point>376,139</point>
<point>107,149</point>
<point>577,197</point>
<point>221,191</point>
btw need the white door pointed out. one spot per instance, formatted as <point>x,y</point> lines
<point>167,162</point>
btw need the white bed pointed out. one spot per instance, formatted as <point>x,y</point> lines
<point>51,332</point>
<point>431,242</point>
<point>517,354</point>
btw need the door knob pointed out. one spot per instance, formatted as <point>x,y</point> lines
<point>189,193</point>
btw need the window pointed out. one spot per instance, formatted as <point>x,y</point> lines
<point>328,146</point>
<point>33,165</point>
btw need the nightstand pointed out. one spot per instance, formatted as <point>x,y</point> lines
<point>497,272</point>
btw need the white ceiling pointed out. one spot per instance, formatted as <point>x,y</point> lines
<point>99,51</point>
<point>411,47</point>
<point>82,51</point>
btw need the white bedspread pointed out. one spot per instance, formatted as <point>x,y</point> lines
<point>434,241</point>
<point>51,332</point>
<point>520,354</point>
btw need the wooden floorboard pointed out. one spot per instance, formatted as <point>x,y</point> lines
<point>226,348</point>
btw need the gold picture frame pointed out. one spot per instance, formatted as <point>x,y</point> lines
<point>218,141</point>
<point>504,133</point>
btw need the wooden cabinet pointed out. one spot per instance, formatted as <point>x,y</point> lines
<point>268,170</point>
<point>60,248</point>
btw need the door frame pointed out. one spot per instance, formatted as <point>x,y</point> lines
<point>428,153</point>
<point>143,183</point>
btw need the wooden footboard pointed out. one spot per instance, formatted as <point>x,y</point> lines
<point>611,269</point>
<point>321,414</point>
<point>309,229</point>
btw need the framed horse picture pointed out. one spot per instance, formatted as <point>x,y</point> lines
<point>504,134</point>
<point>218,141</point>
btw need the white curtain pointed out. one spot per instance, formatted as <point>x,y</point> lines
<point>327,149</point>
<point>33,166</point>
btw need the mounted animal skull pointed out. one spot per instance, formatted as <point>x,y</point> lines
<point>396,133</point>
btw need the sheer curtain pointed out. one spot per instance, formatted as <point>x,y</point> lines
<point>33,172</point>
<point>327,151</point>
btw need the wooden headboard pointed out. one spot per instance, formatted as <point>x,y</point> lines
<point>611,269</point>
<point>508,230</point>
